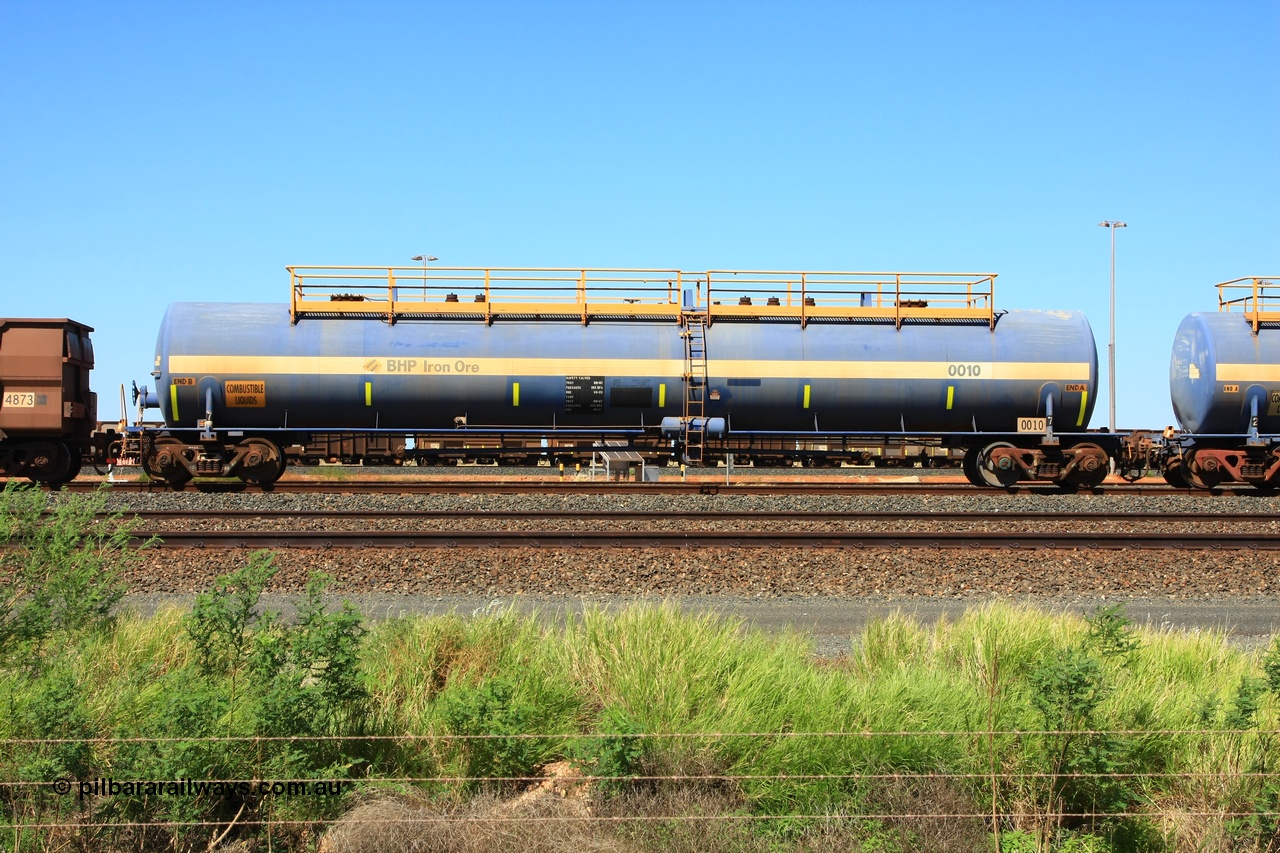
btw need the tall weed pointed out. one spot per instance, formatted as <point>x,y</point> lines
<point>61,568</point>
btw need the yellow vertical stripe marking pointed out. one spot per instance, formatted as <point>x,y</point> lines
<point>173,399</point>
<point>368,393</point>
<point>806,396</point>
<point>1084,398</point>
<point>662,395</point>
<point>515,393</point>
<point>951,396</point>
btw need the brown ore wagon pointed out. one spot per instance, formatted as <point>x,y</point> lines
<point>47,412</point>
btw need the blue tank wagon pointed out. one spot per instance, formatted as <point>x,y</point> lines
<point>689,356</point>
<point>1224,382</point>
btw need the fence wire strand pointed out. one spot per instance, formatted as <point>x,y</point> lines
<point>579,784</point>
<point>446,736</point>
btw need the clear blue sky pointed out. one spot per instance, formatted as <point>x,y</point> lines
<point>162,151</point>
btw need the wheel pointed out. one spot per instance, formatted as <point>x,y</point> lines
<point>1174,474</point>
<point>1272,484</point>
<point>261,462</point>
<point>54,464</point>
<point>162,463</point>
<point>970,466</point>
<point>1197,476</point>
<point>73,470</point>
<point>999,478</point>
<point>1092,469</point>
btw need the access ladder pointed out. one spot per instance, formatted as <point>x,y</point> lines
<point>695,385</point>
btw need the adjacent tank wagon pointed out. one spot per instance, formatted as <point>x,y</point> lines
<point>1224,382</point>
<point>692,358</point>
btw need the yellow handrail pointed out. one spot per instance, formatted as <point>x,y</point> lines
<point>1257,297</point>
<point>394,292</point>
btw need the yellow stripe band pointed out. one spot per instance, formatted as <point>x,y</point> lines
<point>173,400</point>
<point>1049,371</point>
<point>1084,399</point>
<point>662,395</point>
<point>951,396</point>
<point>806,396</point>
<point>1247,374</point>
<point>368,393</point>
<point>515,393</point>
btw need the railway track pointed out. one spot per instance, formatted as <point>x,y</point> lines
<point>608,516</point>
<point>684,530</point>
<point>578,487</point>
<point>714,539</point>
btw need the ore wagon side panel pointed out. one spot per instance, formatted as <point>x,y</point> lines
<point>45,367</point>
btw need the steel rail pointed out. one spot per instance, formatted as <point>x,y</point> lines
<point>637,539</point>
<point>697,516</point>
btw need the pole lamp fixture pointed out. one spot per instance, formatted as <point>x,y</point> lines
<point>425,258</point>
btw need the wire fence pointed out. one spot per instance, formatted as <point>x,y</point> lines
<point>1238,781</point>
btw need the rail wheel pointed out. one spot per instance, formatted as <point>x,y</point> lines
<point>970,466</point>
<point>51,463</point>
<point>1201,473</point>
<point>1272,484</point>
<point>261,462</point>
<point>1174,474</point>
<point>989,470</point>
<point>1092,464</point>
<point>164,463</point>
<point>74,465</point>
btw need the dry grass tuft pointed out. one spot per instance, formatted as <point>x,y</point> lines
<point>558,816</point>
<point>552,816</point>
<point>931,800</point>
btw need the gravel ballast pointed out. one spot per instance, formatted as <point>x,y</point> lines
<point>889,574</point>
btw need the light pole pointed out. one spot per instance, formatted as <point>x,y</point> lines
<point>425,258</point>
<point>1111,346</point>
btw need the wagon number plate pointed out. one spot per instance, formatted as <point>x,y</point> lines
<point>19,400</point>
<point>1033,424</point>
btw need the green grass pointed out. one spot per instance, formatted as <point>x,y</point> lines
<point>668,672</point>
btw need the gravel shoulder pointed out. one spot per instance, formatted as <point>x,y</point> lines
<point>829,623</point>
<point>828,594</point>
